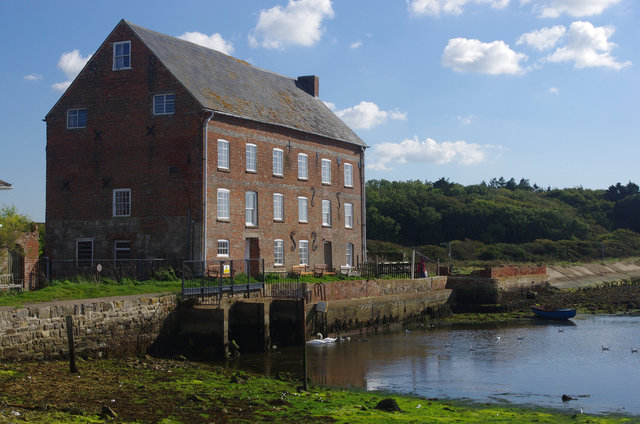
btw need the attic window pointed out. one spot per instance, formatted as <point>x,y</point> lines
<point>122,55</point>
<point>76,118</point>
<point>164,104</point>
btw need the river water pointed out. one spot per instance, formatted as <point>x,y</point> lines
<point>531,364</point>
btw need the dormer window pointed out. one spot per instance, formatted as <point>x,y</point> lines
<point>122,55</point>
<point>164,104</point>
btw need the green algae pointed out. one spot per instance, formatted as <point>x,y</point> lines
<point>164,391</point>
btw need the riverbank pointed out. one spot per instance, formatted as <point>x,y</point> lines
<point>169,391</point>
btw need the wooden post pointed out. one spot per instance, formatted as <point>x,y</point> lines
<point>413,263</point>
<point>72,351</point>
<point>304,344</point>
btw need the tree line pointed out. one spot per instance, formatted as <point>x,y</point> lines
<point>501,214</point>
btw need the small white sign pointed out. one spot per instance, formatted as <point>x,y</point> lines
<point>99,267</point>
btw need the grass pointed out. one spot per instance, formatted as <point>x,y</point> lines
<point>66,290</point>
<point>164,391</point>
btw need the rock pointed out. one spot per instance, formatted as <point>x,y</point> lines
<point>108,412</point>
<point>566,398</point>
<point>389,405</point>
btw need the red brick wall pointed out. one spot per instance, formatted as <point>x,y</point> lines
<point>237,180</point>
<point>117,149</point>
<point>29,242</point>
<point>511,271</point>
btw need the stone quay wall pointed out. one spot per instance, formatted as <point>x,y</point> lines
<point>101,327</point>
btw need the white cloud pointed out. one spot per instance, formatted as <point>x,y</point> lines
<point>366,115</point>
<point>544,38</point>
<point>576,8</point>
<point>213,41</point>
<point>385,156</point>
<point>465,55</point>
<point>71,63</point>
<point>449,7</point>
<point>355,45</point>
<point>588,46</point>
<point>466,120</point>
<point>32,77</point>
<point>299,23</point>
<point>553,90</point>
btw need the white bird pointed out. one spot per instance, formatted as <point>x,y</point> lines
<point>498,338</point>
<point>447,344</point>
<point>519,337</point>
<point>319,340</point>
<point>471,348</point>
<point>560,330</point>
<point>605,347</point>
<point>407,331</point>
<point>634,350</point>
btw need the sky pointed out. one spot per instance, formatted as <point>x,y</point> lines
<point>468,90</point>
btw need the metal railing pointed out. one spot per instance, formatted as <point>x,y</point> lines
<point>97,270</point>
<point>206,281</point>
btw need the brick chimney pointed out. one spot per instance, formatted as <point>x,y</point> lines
<point>310,84</point>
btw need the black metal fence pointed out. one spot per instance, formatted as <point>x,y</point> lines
<point>98,270</point>
<point>206,281</point>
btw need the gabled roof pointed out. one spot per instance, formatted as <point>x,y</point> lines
<point>230,86</point>
<point>5,185</point>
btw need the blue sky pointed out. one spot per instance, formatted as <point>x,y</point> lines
<point>546,90</point>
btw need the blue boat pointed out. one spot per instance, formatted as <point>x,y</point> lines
<point>553,313</point>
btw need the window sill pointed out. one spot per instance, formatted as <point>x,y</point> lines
<point>278,175</point>
<point>251,172</point>
<point>278,220</point>
<point>326,226</point>
<point>326,184</point>
<point>303,222</point>
<point>223,170</point>
<point>223,220</point>
<point>121,69</point>
<point>348,186</point>
<point>250,226</point>
<point>303,179</point>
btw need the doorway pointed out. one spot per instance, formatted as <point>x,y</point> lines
<point>328,256</point>
<point>252,257</point>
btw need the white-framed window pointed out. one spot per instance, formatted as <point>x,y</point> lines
<point>223,154</point>
<point>278,252</point>
<point>84,253</point>
<point>251,208</point>
<point>122,55</point>
<point>302,209</point>
<point>122,249</point>
<point>348,248</point>
<point>326,171</point>
<point>303,250</point>
<point>326,213</point>
<point>348,175</point>
<point>303,167</point>
<point>164,104</point>
<point>252,157</point>
<point>278,207</point>
<point>76,118</point>
<point>277,162</point>
<point>122,202</point>
<point>223,248</point>
<point>348,215</point>
<point>223,204</point>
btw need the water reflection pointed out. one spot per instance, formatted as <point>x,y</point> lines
<point>534,363</point>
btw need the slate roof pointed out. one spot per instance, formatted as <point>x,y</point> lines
<point>231,86</point>
<point>5,185</point>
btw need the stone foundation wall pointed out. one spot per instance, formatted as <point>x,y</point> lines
<point>102,327</point>
<point>350,289</point>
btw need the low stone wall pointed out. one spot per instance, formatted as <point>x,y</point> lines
<point>350,289</point>
<point>102,327</point>
<point>476,290</point>
<point>373,305</point>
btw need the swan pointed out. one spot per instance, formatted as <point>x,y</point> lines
<point>320,341</point>
<point>634,350</point>
<point>605,347</point>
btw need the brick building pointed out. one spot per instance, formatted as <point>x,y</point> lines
<point>162,148</point>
